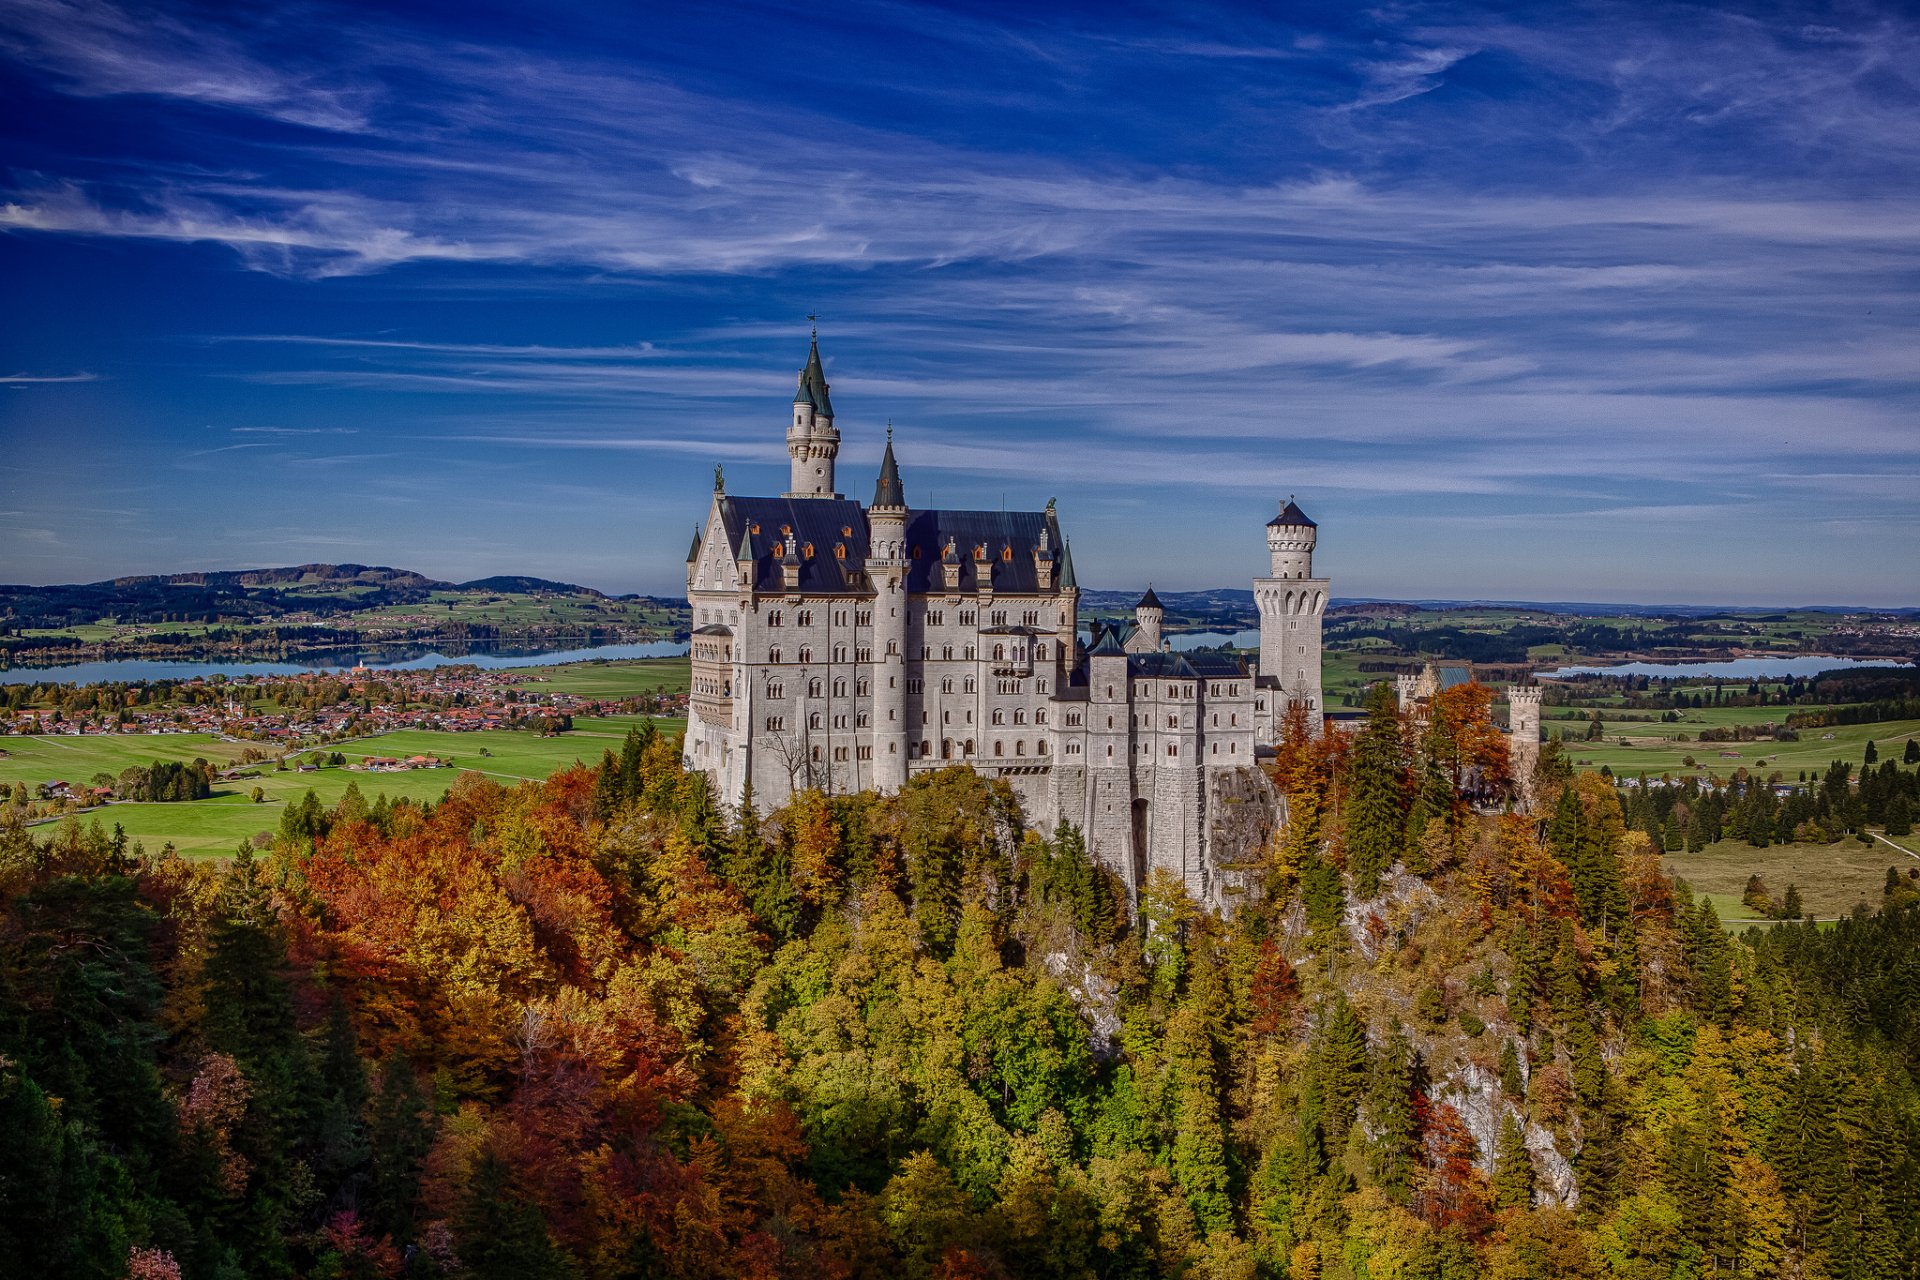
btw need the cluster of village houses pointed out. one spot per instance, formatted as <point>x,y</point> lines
<point>457,699</point>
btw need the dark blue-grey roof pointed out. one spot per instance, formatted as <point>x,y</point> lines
<point>887,490</point>
<point>1149,600</point>
<point>1193,664</point>
<point>813,384</point>
<point>1291,514</point>
<point>994,548</point>
<point>829,525</point>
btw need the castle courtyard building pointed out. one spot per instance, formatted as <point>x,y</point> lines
<point>845,647</point>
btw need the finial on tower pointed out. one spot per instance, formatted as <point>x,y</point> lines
<point>814,322</point>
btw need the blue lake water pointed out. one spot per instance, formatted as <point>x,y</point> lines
<point>415,658</point>
<point>1728,669</point>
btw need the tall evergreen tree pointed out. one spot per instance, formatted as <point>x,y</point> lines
<point>1375,810</point>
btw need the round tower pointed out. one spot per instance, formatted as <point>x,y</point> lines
<point>1290,539</point>
<point>812,442</point>
<point>887,569</point>
<point>1291,603</point>
<point>1523,719</point>
<point>1147,615</point>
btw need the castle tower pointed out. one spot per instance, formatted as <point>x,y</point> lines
<point>1147,615</point>
<point>1291,603</point>
<point>887,568</point>
<point>812,442</point>
<point>1523,718</point>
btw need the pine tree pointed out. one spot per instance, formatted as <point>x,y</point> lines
<point>1393,1154</point>
<point>1375,811</point>
<point>1873,752</point>
<point>1790,907</point>
<point>1912,753</point>
<point>401,1134</point>
<point>1513,1167</point>
<point>1341,1068</point>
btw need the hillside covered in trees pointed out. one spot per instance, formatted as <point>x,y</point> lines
<point>593,1027</point>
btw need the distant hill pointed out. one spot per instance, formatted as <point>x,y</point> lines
<point>529,586</point>
<point>251,595</point>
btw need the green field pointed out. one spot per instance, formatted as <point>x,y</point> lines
<point>216,825</point>
<point>1653,748</point>
<point>1833,878</point>
<point>616,679</point>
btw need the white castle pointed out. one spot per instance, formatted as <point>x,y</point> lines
<point>844,647</point>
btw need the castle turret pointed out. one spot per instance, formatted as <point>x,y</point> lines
<point>812,442</point>
<point>1291,602</point>
<point>887,569</point>
<point>1523,746</point>
<point>1147,615</point>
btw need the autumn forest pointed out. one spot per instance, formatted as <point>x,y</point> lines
<point>596,1027</point>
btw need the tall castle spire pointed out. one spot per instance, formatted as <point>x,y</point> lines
<point>887,490</point>
<point>812,442</point>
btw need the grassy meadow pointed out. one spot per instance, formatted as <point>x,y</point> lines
<point>1833,878</point>
<point>1655,749</point>
<point>214,826</point>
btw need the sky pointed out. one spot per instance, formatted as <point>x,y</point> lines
<point>1603,302</point>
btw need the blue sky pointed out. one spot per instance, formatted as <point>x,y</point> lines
<point>1597,302</point>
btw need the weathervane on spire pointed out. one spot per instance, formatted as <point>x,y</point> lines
<point>814,320</point>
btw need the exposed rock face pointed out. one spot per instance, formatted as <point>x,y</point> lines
<point>1244,809</point>
<point>1403,902</point>
<point>1095,997</point>
<point>1553,1179</point>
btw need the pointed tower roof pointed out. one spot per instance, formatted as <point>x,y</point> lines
<point>887,491</point>
<point>1149,601</point>
<point>693,552</point>
<point>813,382</point>
<point>1109,645</point>
<point>745,554</point>
<point>1291,514</point>
<point>1066,566</point>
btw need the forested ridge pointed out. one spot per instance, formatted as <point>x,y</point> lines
<point>595,1027</point>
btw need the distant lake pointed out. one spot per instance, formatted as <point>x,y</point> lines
<point>491,655</point>
<point>1214,639</point>
<point>1731,668</point>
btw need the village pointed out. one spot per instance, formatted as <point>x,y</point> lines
<point>293,712</point>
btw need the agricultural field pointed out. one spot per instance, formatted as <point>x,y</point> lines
<point>616,679</point>
<point>1654,749</point>
<point>216,825</point>
<point>1833,878</point>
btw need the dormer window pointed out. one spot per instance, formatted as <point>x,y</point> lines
<point>1006,552</point>
<point>839,551</point>
<point>916,553</point>
<point>779,551</point>
<point>806,552</point>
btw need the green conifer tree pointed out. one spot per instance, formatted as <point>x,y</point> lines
<point>1513,1167</point>
<point>1375,811</point>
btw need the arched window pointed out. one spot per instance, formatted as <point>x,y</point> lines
<point>776,619</point>
<point>813,686</point>
<point>806,653</point>
<point>1040,652</point>
<point>813,721</point>
<point>926,748</point>
<point>1041,747</point>
<point>999,652</point>
<point>969,747</point>
<point>773,655</point>
<point>999,747</point>
<point>946,748</point>
<point>1020,747</point>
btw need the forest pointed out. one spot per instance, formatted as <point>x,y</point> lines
<point>596,1026</point>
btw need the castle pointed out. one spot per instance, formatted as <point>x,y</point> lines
<point>846,647</point>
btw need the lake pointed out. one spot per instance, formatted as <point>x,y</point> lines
<point>495,656</point>
<point>1728,669</point>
